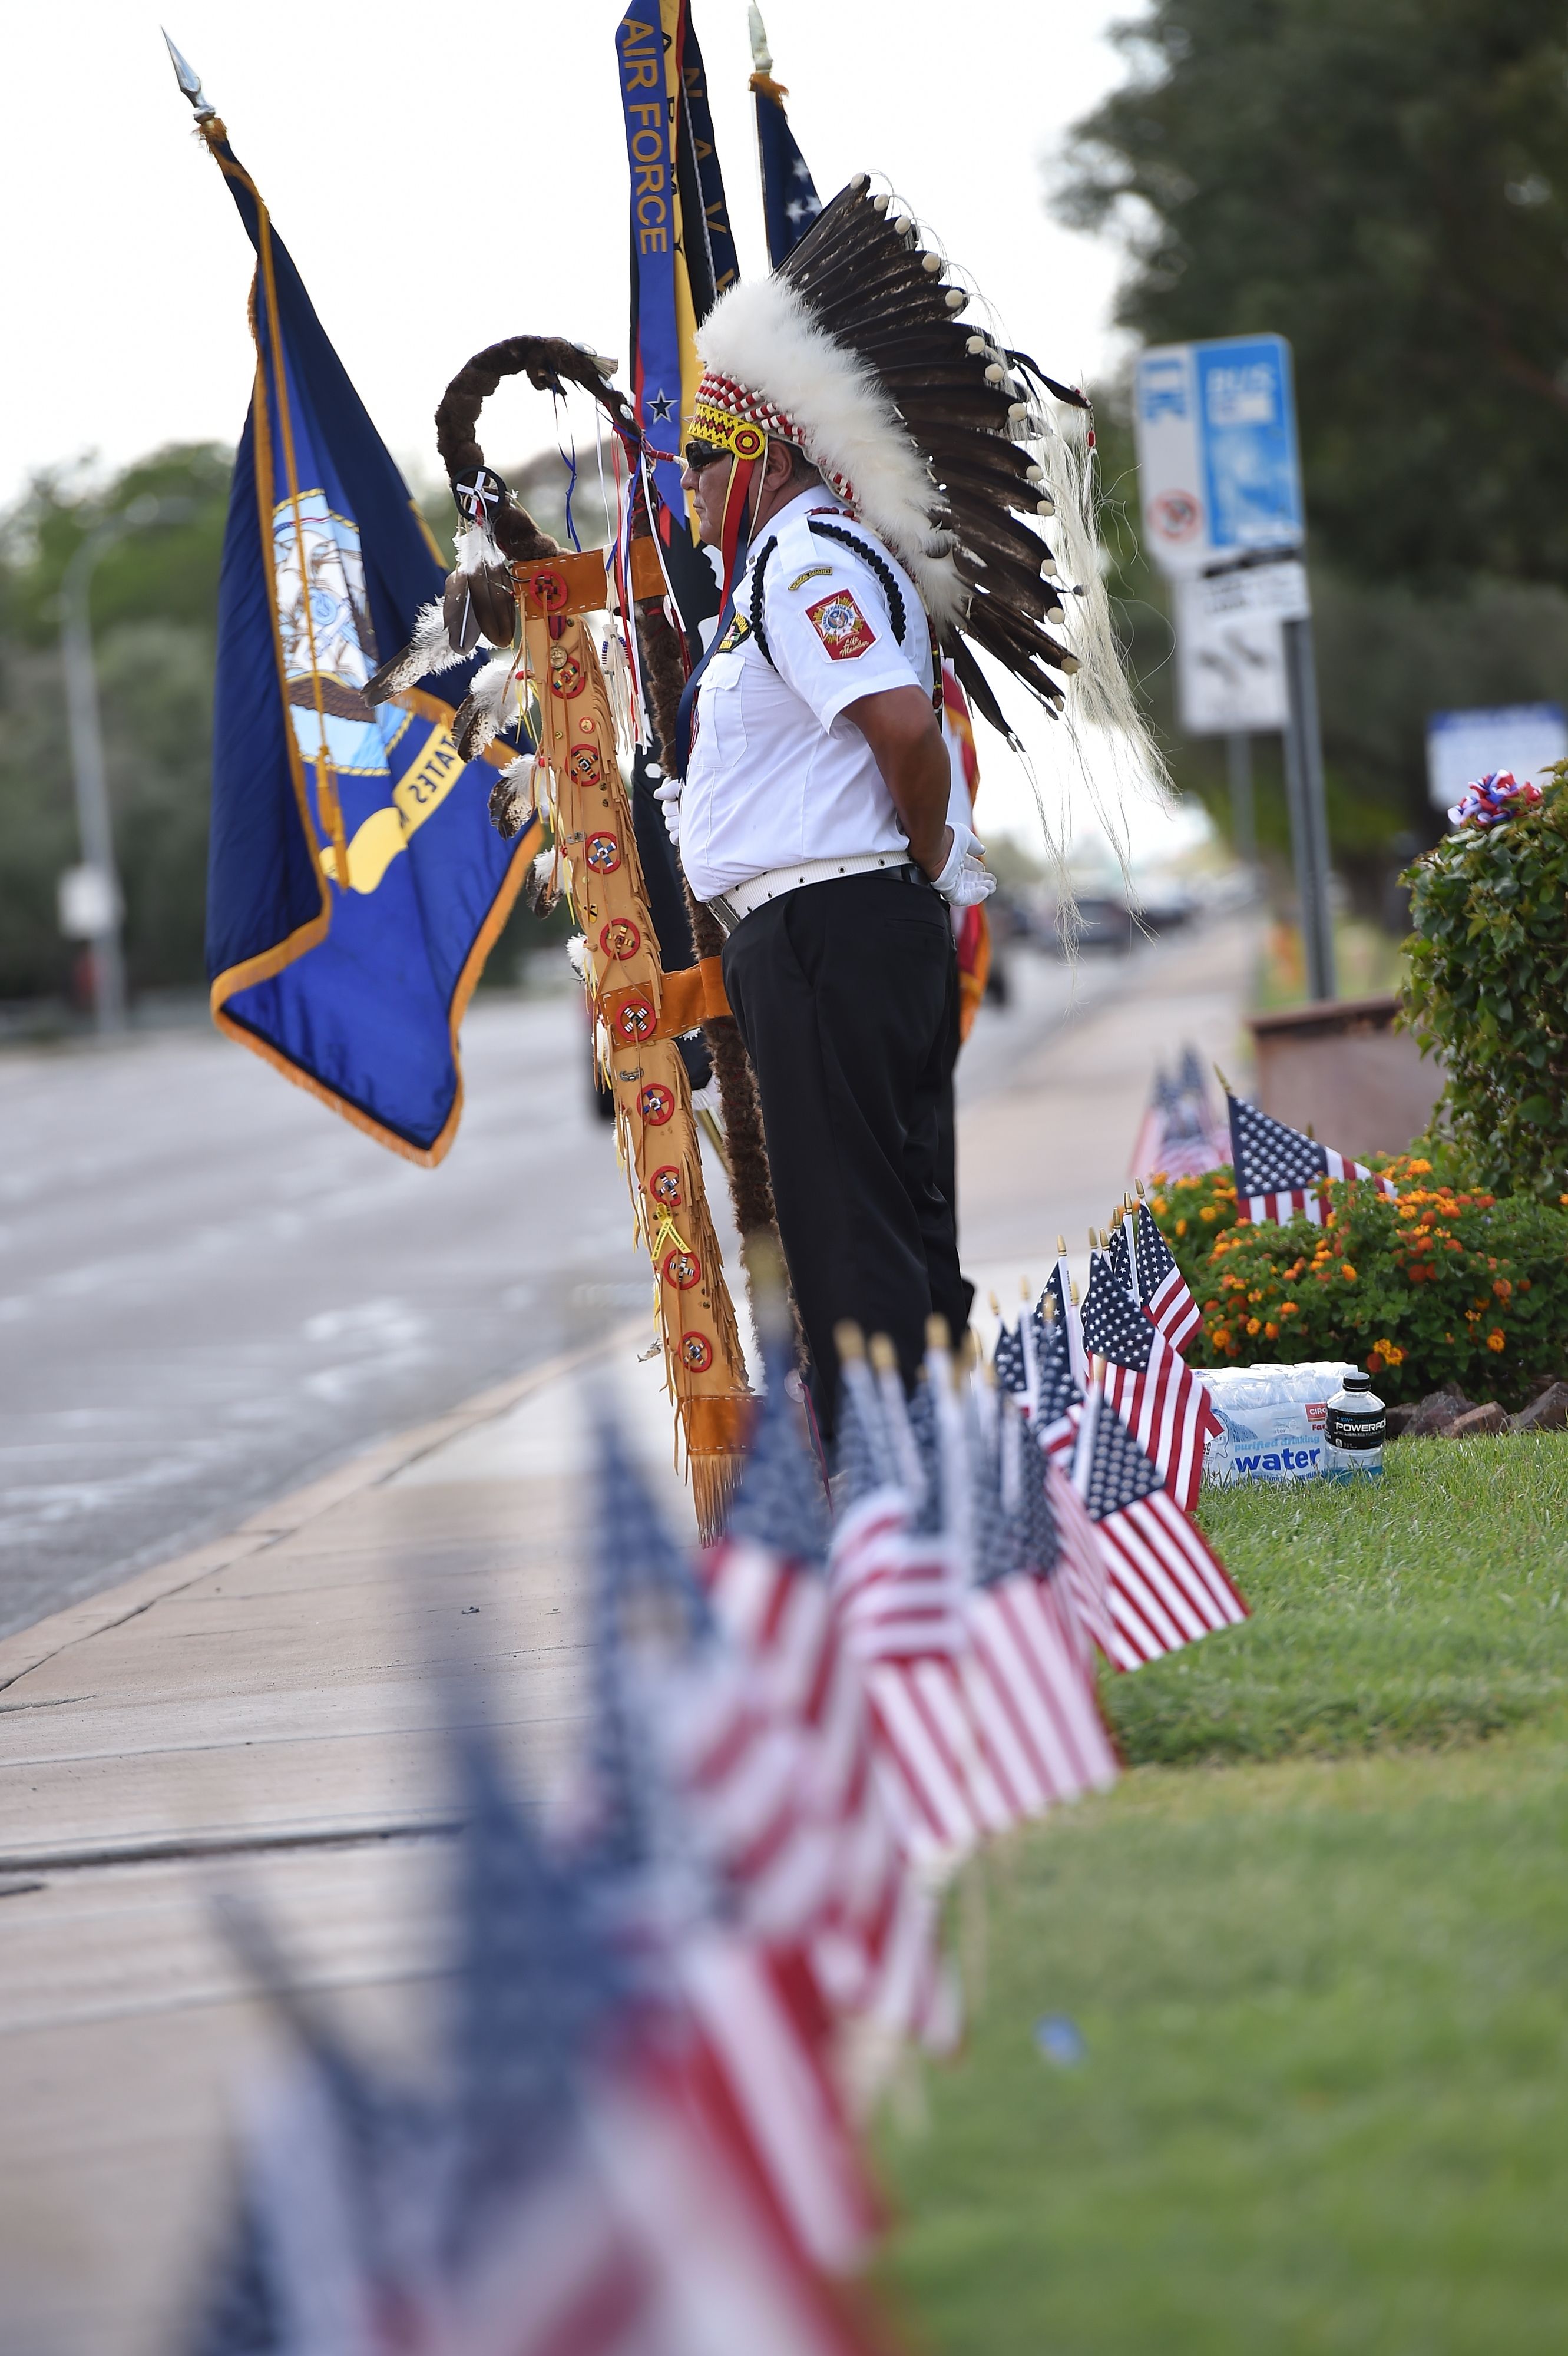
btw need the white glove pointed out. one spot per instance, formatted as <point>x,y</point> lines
<point>964,881</point>
<point>667,793</point>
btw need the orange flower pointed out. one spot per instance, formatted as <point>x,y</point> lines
<point>1289,1309</point>
<point>1391,1353</point>
<point>1181,1226</point>
<point>1251,1325</point>
<point>1503,1289</point>
<point>1347,1271</point>
<point>1209,1214</point>
<point>1418,1168</point>
<point>1221,1337</point>
<point>1271,1332</point>
<point>1496,1339</point>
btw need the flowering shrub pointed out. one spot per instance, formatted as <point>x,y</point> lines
<point>1487,987</point>
<point>1440,1287</point>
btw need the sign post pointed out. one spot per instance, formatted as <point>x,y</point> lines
<point>1219,479</point>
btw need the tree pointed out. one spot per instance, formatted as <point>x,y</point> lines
<point>153,601</point>
<point>1385,182</point>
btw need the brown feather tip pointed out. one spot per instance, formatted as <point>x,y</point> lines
<point>882,1356</point>
<point>849,1341</point>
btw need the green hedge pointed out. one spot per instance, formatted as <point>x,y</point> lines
<point>1488,989</point>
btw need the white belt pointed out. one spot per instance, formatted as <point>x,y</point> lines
<point>730,908</point>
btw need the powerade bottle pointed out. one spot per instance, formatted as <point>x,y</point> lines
<point>1354,1428</point>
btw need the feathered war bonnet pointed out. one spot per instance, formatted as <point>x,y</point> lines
<point>854,351</point>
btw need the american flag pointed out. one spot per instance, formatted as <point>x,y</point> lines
<point>874,1948</point>
<point>1029,1676</point>
<point>1060,1286</point>
<point>1167,1587</point>
<point>1032,1363</point>
<point>1280,1171</point>
<point>1164,1405</point>
<point>1157,1282</point>
<point>735,1835</point>
<point>1177,1137</point>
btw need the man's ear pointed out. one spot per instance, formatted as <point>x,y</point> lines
<point>780,464</point>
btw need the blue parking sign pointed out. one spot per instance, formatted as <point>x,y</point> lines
<point>1219,466</point>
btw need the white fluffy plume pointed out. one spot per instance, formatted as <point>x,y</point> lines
<point>762,334</point>
<point>485,710</point>
<point>428,651</point>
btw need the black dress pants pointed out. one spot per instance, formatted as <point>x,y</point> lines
<point>846,995</point>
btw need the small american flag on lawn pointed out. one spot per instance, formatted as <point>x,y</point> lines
<point>1162,1403</point>
<point>1167,1586</point>
<point>1157,1282</point>
<point>1280,1171</point>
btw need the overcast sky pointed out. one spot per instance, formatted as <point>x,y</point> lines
<point>443,178</point>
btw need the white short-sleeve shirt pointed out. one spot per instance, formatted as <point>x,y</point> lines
<point>776,775</point>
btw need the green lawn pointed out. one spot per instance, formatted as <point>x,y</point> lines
<point>1322,2109</point>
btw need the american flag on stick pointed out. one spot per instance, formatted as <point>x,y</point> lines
<point>1280,1171</point>
<point>870,1933</point>
<point>1174,1137</point>
<point>1164,1404</point>
<point>1167,1586</point>
<point>1154,1280</point>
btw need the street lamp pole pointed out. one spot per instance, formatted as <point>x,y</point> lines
<point>94,823</point>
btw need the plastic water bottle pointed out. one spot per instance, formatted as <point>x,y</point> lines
<point>1355,1429</point>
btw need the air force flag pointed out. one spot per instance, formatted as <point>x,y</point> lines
<point>355,883</point>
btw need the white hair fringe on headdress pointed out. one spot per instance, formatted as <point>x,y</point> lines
<point>762,334</point>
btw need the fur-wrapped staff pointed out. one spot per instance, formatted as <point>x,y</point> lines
<point>495,530</point>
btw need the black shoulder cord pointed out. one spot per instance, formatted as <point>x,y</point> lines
<point>757,631</point>
<point>876,562</point>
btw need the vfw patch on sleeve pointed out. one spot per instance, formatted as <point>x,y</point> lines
<point>841,626</point>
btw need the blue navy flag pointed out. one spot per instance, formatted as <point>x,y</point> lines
<point>790,199</point>
<point>355,883</point>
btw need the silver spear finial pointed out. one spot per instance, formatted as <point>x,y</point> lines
<point>189,82</point>
<point>761,58</point>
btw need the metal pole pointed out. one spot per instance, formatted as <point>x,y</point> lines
<point>1308,811</point>
<point>94,822</point>
<point>1243,813</point>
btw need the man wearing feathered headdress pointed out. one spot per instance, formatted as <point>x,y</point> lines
<point>853,456</point>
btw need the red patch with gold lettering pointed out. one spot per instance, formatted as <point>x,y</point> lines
<point>841,626</point>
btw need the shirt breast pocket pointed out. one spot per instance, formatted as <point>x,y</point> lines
<point>723,712</point>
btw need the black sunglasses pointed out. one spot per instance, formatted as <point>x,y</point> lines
<point>701,455</point>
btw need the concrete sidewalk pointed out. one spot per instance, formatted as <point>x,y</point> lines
<point>264,1715</point>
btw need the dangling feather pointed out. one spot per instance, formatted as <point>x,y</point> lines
<point>479,600</point>
<point>428,651</point>
<point>490,706</point>
<point>542,892</point>
<point>512,797</point>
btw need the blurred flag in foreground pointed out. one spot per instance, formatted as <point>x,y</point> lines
<point>355,883</point>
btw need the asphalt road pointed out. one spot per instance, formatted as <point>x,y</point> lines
<point>211,1288</point>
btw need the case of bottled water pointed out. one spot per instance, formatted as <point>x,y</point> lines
<point>1275,1419</point>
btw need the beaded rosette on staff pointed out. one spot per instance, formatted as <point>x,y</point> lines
<point>578,789</point>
